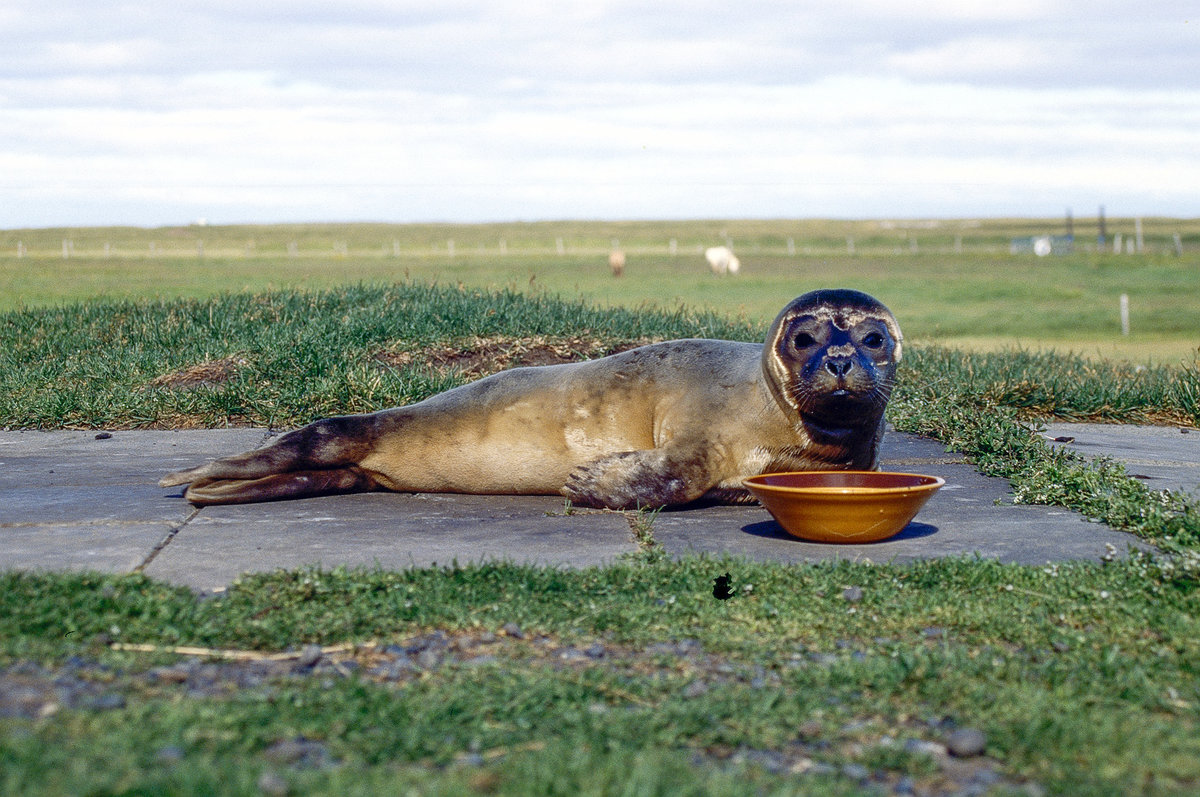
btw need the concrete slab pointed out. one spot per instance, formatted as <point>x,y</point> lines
<point>972,515</point>
<point>71,500</point>
<point>51,459</point>
<point>388,530</point>
<point>1162,457</point>
<point>106,547</point>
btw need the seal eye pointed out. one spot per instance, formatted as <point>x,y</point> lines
<point>873,340</point>
<point>804,340</point>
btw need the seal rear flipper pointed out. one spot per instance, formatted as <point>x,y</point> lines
<point>280,486</point>
<point>640,479</point>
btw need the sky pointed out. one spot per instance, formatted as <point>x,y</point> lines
<point>150,113</point>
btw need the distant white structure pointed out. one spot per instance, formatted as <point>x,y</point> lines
<point>722,260</point>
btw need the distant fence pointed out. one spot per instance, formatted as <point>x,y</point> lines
<point>872,245</point>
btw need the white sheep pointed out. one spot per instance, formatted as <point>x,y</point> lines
<point>722,260</point>
<point>616,261</point>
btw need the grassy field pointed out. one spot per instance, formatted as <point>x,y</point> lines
<point>835,679</point>
<point>953,283</point>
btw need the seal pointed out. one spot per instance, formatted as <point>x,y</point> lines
<point>661,425</point>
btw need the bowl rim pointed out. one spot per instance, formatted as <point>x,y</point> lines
<point>935,483</point>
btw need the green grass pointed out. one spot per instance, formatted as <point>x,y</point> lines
<point>971,293</point>
<point>310,354</point>
<point>307,354</point>
<point>1083,679</point>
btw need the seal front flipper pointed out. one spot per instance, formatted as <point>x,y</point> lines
<point>641,479</point>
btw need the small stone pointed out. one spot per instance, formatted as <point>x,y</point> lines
<point>809,729</point>
<point>481,661</point>
<point>169,675</point>
<point>309,655</point>
<point>272,784</point>
<point>695,689</point>
<point>513,630</point>
<point>104,436</point>
<point>570,653</point>
<point>966,742</point>
<point>436,640</point>
<point>428,659</point>
<point>852,594</point>
<point>297,752</point>
<point>109,701</point>
<point>169,754</point>
<point>595,651</point>
<point>856,772</point>
<point>922,747</point>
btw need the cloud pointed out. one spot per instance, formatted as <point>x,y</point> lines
<point>516,109</point>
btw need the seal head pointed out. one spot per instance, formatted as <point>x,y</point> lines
<point>830,358</point>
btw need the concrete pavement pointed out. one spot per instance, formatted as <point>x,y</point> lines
<point>75,500</point>
<point>1161,457</point>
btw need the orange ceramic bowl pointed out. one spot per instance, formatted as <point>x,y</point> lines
<point>843,506</point>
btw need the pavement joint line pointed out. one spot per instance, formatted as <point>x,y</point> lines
<point>157,549</point>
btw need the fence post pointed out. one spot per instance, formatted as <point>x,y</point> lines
<point>1124,314</point>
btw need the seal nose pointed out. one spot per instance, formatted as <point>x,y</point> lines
<point>839,366</point>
